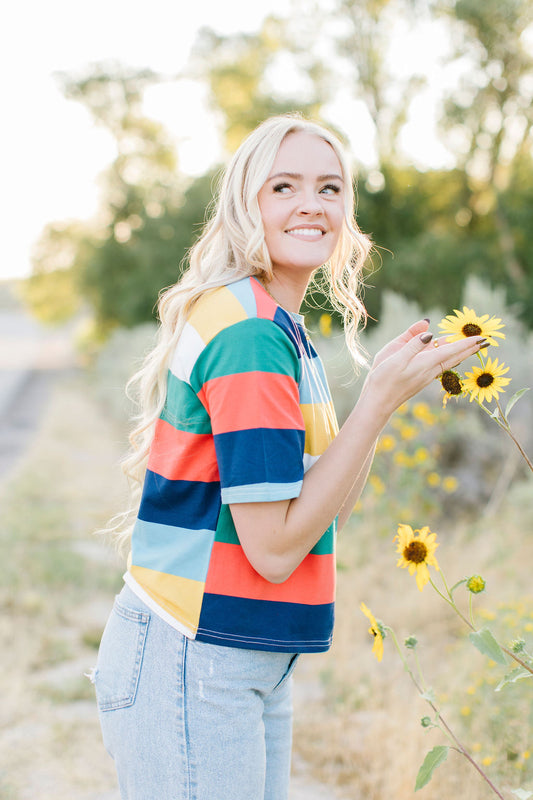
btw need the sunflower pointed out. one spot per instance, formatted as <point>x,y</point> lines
<point>484,383</point>
<point>452,384</point>
<point>417,552</point>
<point>467,323</point>
<point>376,629</point>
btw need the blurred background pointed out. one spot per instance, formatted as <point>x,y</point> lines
<point>118,118</point>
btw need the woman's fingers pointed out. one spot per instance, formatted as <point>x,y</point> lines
<point>447,355</point>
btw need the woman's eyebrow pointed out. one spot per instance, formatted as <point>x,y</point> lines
<point>297,176</point>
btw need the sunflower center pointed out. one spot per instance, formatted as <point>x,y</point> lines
<point>471,329</point>
<point>484,380</point>
<point>451,382</point>
<point>415,551</point>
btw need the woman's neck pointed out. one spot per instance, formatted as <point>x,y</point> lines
<point>289,294</point>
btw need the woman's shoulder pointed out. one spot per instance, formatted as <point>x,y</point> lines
<point>228,305</point>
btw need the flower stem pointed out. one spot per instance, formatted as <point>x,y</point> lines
<point>451,603</point>
<point>441,721</point>
<point>471,610</point>
<point>470,624</point>
<point>504,424</point>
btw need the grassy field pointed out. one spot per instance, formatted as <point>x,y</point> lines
<point>357,722</point>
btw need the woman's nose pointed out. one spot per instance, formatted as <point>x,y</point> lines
<point>310,203</point>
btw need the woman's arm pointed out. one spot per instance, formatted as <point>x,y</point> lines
<point>277,536</point>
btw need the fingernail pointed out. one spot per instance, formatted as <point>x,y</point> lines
<point>485,344</point>
<point>426,337</point>
<point>426,319</point>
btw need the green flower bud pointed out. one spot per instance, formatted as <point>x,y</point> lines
<point>426,722</point>
<point>411,642</point>
<point>518,646</point>
<point>475,584</point>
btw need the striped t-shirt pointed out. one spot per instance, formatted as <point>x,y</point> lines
<point>247,412</point>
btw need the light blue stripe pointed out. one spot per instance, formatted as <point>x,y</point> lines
<point>313,387</point>
<point>261,492</point>
<point>176,551</point>
<point>244,294</point>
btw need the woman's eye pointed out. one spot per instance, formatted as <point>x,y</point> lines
<point>331,188</point>
<point>282,187</point>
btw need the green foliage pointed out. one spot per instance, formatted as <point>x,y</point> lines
<point>434,759</point>
<point>432,229</point>
<point>236,68</point>
<point>485,642</point>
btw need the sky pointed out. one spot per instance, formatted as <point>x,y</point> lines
<point>50,150</point>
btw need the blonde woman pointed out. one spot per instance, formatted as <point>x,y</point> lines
<point>246,479</point>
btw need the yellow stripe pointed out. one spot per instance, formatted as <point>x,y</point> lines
<point>320,426</point>
<point>180,597</point>
<point>216,311</point>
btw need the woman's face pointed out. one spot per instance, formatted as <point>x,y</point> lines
<point>302,204</point>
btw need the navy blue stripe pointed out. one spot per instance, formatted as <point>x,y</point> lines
<point>183,504</point>
<point>295,332</point>
<point>239,622</point>
<point>260,455</point>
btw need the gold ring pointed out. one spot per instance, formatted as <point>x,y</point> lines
<point>435,344</point>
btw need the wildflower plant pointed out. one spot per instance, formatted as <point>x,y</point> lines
<point>417,554</point>
<point>486,382</point>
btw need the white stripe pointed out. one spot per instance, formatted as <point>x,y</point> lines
<point>309,460</point>
<point>189,347</point>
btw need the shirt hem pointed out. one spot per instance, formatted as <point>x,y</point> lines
<point>259,643</point>
<point>261,492</point>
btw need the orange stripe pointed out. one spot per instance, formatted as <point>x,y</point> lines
<point>266,306</point>
<point>272,401</point>
<point>180,455</point>
<point>230,573</point>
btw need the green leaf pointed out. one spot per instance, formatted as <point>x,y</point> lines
<point>522,794</point>
<point>514,399</point>
<point>433,759</point>
<point>515,675</point>
<point>429,695</point>
<point>487,644</point>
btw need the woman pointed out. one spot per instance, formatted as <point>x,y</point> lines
<point>246,479</point>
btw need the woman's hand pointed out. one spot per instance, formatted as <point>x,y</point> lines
<point>411,361</point>
<point>396,344</point>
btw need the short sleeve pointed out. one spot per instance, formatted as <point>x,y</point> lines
<point>247,378</point>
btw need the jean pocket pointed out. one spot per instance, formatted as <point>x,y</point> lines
<point>120,657</point>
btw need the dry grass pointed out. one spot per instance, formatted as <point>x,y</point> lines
<point>58,583</point>
<point>362,731</point>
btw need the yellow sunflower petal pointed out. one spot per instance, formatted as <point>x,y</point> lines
<point>377,649</point>
<point>422,575</point>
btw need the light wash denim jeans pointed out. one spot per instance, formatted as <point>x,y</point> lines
<point>185,720</point>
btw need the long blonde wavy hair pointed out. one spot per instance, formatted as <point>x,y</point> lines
<point>232,247</point>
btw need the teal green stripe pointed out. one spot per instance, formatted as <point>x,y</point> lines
<point>326,544</point>
<point>248,346</point>
<point>183,410</point>
<point>226,533</point>
<point>225,528</point>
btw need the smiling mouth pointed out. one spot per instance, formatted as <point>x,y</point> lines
<point>306,232</point>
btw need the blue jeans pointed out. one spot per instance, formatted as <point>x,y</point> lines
<point>186,720</point>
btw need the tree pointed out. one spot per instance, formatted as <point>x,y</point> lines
<point>147,218</point>
<point>491,114</point>
<point>242,71</point>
